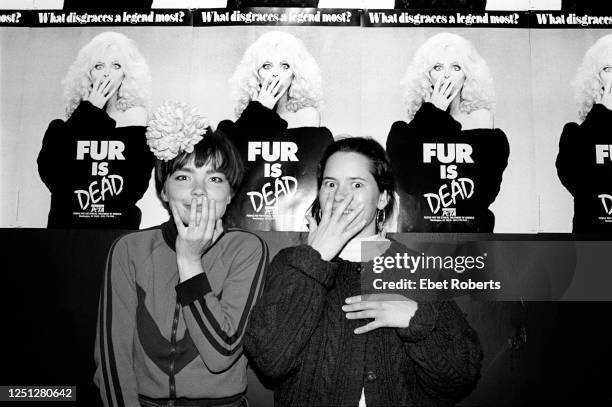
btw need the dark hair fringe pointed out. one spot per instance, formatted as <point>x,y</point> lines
<point>215,148</point>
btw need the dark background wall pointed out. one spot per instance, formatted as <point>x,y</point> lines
<point>535,353</point>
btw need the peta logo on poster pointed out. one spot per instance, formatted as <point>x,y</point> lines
<point>602,153</point>
<point>274,154</point>
<point>449,212</point>
<point>100,152</point>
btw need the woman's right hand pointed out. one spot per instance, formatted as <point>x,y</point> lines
<point>270,91</point>
<point>100,92</point>
<point>194,239</point>
<point>442,94</point>
<point>335,229</point>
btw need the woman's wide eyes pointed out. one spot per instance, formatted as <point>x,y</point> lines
<point>607,69</point>
<point>333,184</point>
<point>180,177</point>
<point>99,66</point>
<point>440,67</point>
<point>283,65</point>
<point>216,179</point>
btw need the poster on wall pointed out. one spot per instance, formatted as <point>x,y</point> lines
<point>80,150</point>
<point>571,67</point>
<point>280,88</point>
<point>454,112</point>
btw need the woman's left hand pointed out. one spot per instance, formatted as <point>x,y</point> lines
<point>386,310</point>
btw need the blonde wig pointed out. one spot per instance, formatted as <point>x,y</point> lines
<point>587,84</point>
<point>477,92</point>
<point>305,89</point>
<point>135,90</point>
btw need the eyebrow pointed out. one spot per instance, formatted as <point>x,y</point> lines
<point>350,178</point>
<point>191,170</point>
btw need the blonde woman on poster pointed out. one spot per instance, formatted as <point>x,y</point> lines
<point>96,163</point>
<point>277,90</point>
<point>448,158</point>
<point>584,163</point>
<point>320,341</point>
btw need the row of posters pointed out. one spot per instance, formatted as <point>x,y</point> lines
<point>360,71</point>
<point>509,156</point>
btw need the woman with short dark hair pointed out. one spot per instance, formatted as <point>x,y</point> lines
<point>176,298</point>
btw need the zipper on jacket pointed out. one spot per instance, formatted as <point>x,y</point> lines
<point>175,321</point>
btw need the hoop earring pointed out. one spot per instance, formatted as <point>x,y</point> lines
<point>380,223</point>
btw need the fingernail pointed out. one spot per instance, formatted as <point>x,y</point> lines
<point>348,300</point>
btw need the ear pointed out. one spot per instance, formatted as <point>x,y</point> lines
<point>163,194</point>
<point>383,200</point>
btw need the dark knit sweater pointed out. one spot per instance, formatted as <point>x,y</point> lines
<point>426,198</point>
<point>300,339</point>
<point>96,172</point>
<point>588,181</point>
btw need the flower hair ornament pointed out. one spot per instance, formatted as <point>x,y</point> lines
<point>175,127</point>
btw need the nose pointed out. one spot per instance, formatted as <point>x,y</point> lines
<point>341,194</point>
<point>198,190</point>
<point>447,72</point>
